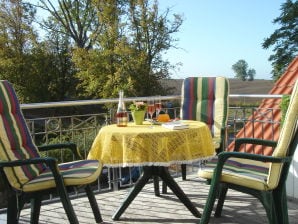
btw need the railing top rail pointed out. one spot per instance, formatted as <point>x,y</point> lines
<point>262,96</point>
<point>128,99</point>
<point>91,102</point>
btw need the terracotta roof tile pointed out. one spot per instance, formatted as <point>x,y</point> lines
<point>262,128</point>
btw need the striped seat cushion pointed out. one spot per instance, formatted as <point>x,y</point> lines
<point>287,132</point>
<point>206,99</point>
<point>17,144</point>
<point>15,140</point>
<point>255,174</point>
<point>74,173</point>
<point>242,172</point>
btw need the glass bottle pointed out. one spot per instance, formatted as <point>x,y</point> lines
<point>121,115</point>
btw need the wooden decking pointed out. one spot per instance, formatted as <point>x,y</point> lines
<point>147,208</point>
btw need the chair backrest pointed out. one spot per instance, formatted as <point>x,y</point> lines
<point>287,134</point>
<point>15,140</point>
<point>206,99</point>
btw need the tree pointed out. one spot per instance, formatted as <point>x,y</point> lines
<point>77,19</point>
<point>151,36</point>
<point>17,38</point>
<point>242,71</point>
<point>102,70</point>
<point>285,39</point>
<point>39,71</point>
<point>250,75</point>
<point>61,81</point>
<point>115,44</point>
<point>128,53</point>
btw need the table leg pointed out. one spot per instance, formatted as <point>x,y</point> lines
<point>147,174</point>
<point>155,172</point>
<point>115,179</point>
<point>170,182</point>
<point>164,187</point>
<point>156,185</point>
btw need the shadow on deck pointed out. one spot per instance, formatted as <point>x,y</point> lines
<point>147,208</point>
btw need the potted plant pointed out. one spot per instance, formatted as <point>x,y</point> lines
<point>138,110</point>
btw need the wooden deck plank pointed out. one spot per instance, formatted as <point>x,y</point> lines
<point>147,208</point>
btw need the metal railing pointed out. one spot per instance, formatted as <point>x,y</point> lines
<point>48,127</point>
<point>82,128</point>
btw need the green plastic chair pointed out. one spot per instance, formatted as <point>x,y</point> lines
<point>263,177</point>
<point>27,176</point>
<point>207,99</point>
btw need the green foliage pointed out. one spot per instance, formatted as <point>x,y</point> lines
<point>39,71</point>
<point>152,34</point>
<point>128,52</point>
<point>88,48</point>
<point>285,100</point>
<point>75,19</point>
<point>285,39</point>
<point>62,155</point>
<point>242,72</point>
<point>83,139</point>
<point>137,106</point>
<point>250,74</point>
<point>17,38</point>
<point>61,83</point>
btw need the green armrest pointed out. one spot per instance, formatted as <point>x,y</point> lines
<point>255,141</point>
<point>46,160</point>
<point>68,145</point>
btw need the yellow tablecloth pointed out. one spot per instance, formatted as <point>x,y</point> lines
<point>140,145</point>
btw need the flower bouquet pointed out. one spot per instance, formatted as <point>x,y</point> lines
<point>138,110</point>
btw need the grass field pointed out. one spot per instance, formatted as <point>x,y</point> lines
<point>258,86</point>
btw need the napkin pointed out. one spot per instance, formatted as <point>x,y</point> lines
<point>175,125</point>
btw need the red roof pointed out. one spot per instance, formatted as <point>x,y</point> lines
<point>268,111</point>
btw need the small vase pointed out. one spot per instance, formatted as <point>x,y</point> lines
<point>138,117</point>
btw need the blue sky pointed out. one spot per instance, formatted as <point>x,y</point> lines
<point>216,34</point>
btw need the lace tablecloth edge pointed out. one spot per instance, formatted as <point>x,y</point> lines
<point>166,164</point>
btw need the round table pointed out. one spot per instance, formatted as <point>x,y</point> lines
<point>154,148</point>
<point>144,145</point>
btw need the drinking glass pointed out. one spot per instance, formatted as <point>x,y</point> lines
<point>157,105</point>
<point>150,108</point>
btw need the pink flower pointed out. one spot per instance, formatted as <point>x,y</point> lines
<point>138,106</point>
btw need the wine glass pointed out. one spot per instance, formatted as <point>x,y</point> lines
<point>157,106</point>
<point>150,108</point>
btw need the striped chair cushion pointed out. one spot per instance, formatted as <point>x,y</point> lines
<point>206,99</point>
<point>17,144</point>
<point>74,173</point>
<point>255,174</point>
<point>242,172</point>
<point>15,140</point>
<point>286,134</point>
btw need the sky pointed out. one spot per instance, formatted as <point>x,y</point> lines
<point>216,34</point>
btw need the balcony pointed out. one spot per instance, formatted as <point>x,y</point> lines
<point>111,189</point>
<point>239,208</point>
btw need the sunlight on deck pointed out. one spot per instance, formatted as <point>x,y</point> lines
<point>147,208</point>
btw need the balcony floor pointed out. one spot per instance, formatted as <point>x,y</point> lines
<point>147,208</point>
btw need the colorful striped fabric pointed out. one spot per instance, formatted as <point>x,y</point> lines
<point>241,167</point>
<point>287,132</point>
<point>256,174</point>
<point>243,172</point>
<point>74,173</point>
<point>15,140</point>
<point>16,144</point>
<point>206,99</point>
